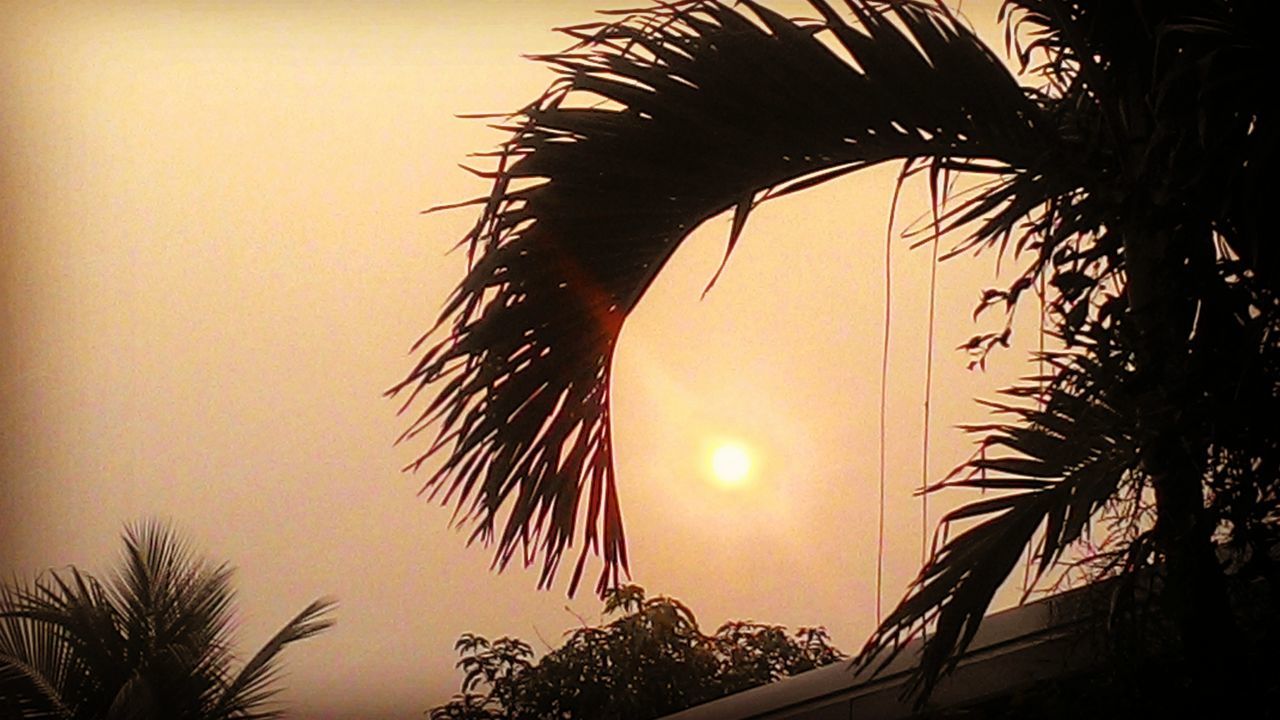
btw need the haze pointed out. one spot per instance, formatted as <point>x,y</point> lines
<point>214,262</point>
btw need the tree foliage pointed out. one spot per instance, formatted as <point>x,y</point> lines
<point>1122,176</point>
<point>152,641</point>
<point>650,661</point>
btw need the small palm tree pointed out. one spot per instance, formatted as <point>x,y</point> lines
<point>151,642</point>
<point>1124,175</point>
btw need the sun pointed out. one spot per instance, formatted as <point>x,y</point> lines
<point>730,463</point>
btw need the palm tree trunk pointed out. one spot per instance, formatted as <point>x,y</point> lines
<point>1174,451</point>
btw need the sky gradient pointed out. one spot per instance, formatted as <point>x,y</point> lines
<point>214,263</point>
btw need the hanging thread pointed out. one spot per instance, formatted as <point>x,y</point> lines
<point>884,382</point>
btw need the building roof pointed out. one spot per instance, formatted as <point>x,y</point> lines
<point>1012,649</point>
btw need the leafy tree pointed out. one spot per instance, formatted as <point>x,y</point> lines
<point>151,642</point>
<point>649,662</point>
<point>1122,175</point>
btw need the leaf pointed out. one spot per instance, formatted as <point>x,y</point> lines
<point>1072,451</point>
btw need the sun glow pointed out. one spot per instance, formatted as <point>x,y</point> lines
<point>730,463</point>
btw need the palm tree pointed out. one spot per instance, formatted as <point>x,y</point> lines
<point>152,642</point>
<point>1123,177</point>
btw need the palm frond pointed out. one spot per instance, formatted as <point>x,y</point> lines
<point>76,607</point>
<point>169,599</point>
<point>253,685</point>
<point>659,122</point>
<point>36,665</point>
<point>1050,470</point>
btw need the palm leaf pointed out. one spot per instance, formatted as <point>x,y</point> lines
<point>36,665</point>
<point>1063,457</point>
<point>253,685</point>
<point>168,598</point>
<point>659,122</point>
<point>75,608</point>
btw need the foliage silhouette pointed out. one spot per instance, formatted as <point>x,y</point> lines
<point>153,641</point>
<point>1122,175</point>
<point>651,661</point>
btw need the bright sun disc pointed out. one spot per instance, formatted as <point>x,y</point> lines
<point>730,463</point>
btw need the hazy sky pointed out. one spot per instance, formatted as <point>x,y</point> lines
<point>213,264</point>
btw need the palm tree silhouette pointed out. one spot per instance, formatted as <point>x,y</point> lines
<point>152,642</point>
<point>1125,181</point>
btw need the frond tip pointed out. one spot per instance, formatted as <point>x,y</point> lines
<point>657,123</point>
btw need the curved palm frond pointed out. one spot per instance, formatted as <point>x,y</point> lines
<point>1133,176</point>
<point>659,122</point>
<point>255,684</point>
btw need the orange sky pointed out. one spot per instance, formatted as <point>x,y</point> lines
<point>213,264</point>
